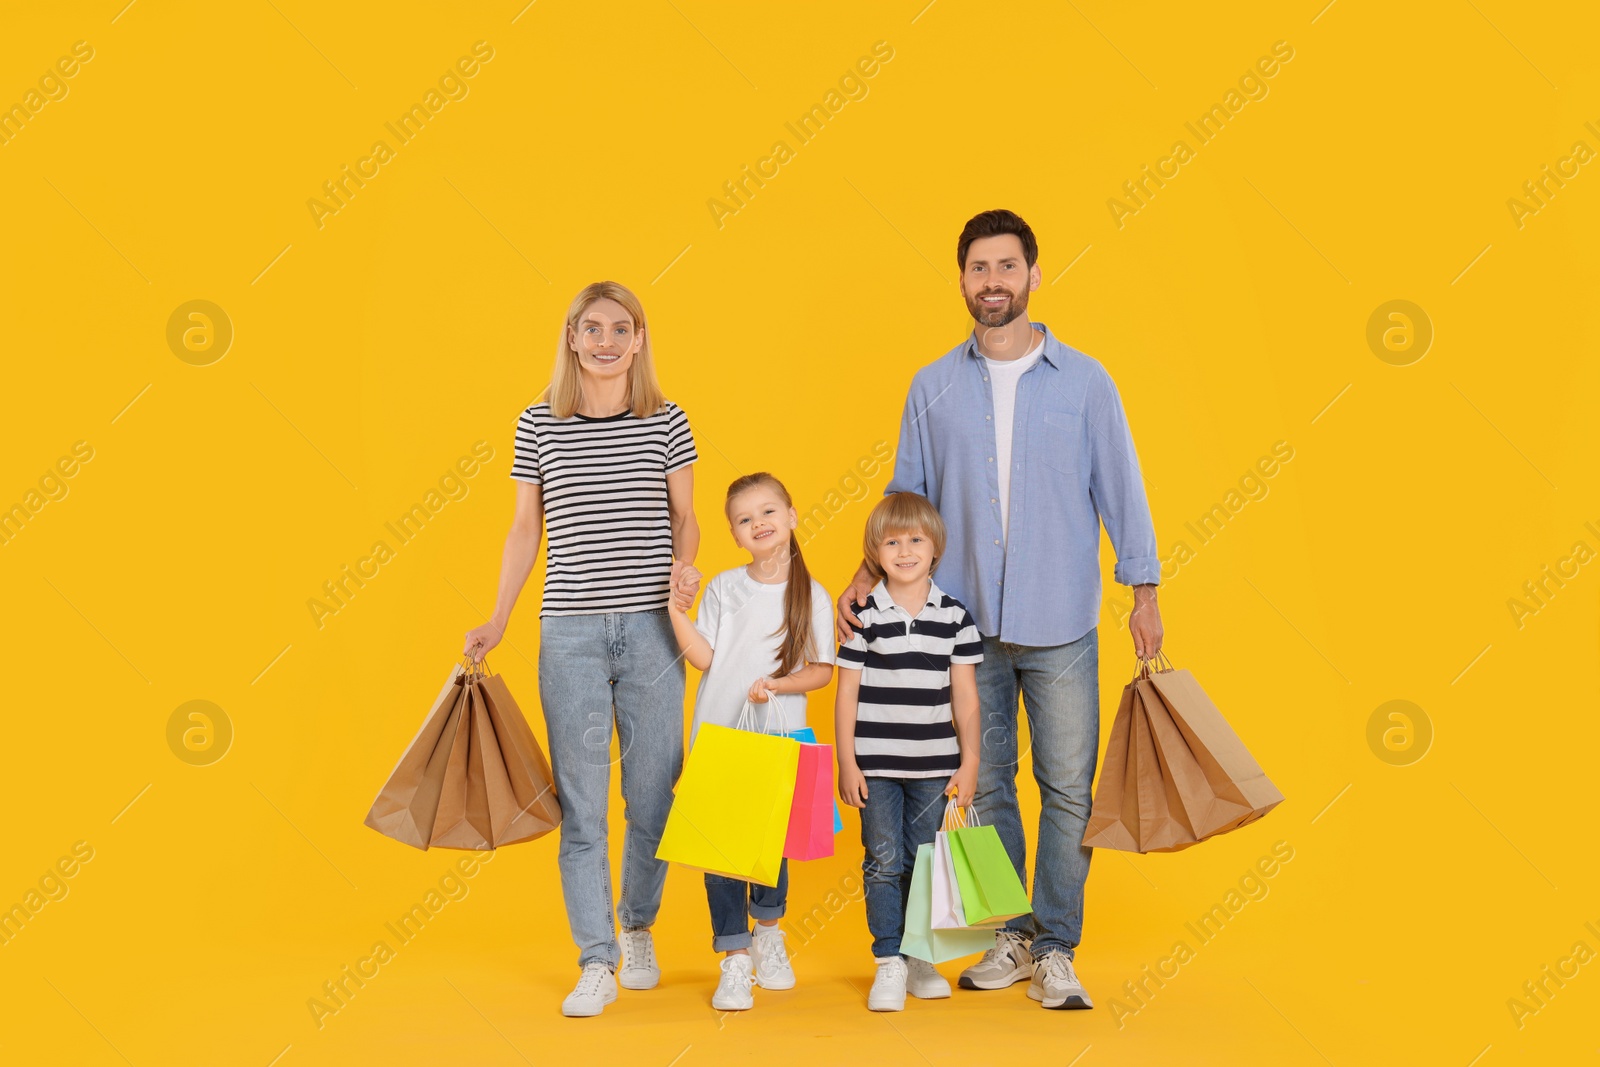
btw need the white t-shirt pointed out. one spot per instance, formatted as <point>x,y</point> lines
<point>739,616</point>
<point>1003,375</point>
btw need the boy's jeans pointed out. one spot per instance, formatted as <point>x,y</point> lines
<point>735,902</point>
<point>901,813</point>
<point>1060,686</point>
<point>592,667</point>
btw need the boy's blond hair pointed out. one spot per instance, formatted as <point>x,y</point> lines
<point>901,513</point>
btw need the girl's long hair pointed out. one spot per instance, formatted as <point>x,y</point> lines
<point>566,379</point>
<point>799,643</point>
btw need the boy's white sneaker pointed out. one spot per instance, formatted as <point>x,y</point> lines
<point>733,991</point>
<point>638,970</point>
<point>889,987</point>
<point>771,957</point>
<point>1010,961</point>
<point>596,988</point>
<point>923,982</point>
<point>1055,984</point>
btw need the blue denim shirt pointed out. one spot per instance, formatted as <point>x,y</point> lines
<point>1072,466</point>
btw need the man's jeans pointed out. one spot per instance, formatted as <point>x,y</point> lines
<point>901,813</point>
<point>734,902</point>
<point>592,667</point>
<point>1060,686</point>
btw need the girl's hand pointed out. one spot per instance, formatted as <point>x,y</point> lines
<point>685,584</point>
<point>760,689</point>
<point>963,785</point>
<point>481,640</point>
<point>852,786</point>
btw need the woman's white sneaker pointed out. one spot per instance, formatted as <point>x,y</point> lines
<point>733,990</point>
<point>596,988</point>
<point>1055,984</point>
<point>923,982</point>
<point>1009,962</point>
<point>889,987</point>
<point>638,970</point>
<point>771,957</point>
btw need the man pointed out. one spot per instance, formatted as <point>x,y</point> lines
<point>1021,443</point>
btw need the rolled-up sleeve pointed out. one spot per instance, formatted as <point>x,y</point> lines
<point>1116,486</point>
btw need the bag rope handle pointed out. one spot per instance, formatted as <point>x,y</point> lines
<point>958,818</point>
<point>748,715</point>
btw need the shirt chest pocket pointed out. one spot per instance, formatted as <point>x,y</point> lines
<point>1064,445</point>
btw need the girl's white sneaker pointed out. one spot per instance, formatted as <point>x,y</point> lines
<point>771,957</point>
<point>733,991</point>
<point>889,987</point>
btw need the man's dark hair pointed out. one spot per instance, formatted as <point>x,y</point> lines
<point>993,224</point>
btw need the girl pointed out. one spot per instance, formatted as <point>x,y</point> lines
<point>770,622</point>
<point>603,465</point>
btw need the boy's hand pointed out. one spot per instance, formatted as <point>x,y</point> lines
<point>759,690</point>
<point>964,785</point>
<point>852,786</point>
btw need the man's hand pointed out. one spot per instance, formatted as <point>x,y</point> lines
<point>1144,623</point>
<point>860,586</point>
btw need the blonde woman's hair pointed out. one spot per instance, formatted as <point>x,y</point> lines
<point>566,379</point>
<point>901,513</point>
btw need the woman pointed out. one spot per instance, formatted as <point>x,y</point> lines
<point>603,466</point>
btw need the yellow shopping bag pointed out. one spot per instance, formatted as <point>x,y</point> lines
<point>730,812</point>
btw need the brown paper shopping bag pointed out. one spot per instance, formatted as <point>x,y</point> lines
<point>463,819</point>
<point>1190,791</point>
<point>408,803</point>
<point>1162,824</point>
<point>1242,790</point>
<point>532,808</point>
<point>1114,818</point>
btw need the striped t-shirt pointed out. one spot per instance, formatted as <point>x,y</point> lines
<point>904,727</point>
<point>605,504</point>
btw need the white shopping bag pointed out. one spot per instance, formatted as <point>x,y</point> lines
<point>947,910</point>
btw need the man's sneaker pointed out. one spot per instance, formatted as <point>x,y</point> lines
<point>1056,985</point>
<point>638,970</point>
<point>771,957</point>
<point>889,987</point>
<point>596,988</point>
<point>1008,962</point>
<point>923,982</point>
<point>733,991</point>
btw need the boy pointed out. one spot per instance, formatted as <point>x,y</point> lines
<point>906,725</point>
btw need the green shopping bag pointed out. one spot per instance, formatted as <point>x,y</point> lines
<point>990,888</point>
<point>730,811</point>
<point>920,940</point>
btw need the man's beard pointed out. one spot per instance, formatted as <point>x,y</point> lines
<point>1000,316</point>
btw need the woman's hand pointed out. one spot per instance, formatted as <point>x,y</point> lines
<point>852,786</point>
<point>481,640</point>
<point>685,584</point>
<point>760,689</point>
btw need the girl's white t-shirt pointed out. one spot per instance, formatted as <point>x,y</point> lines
<point>739,616</point>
